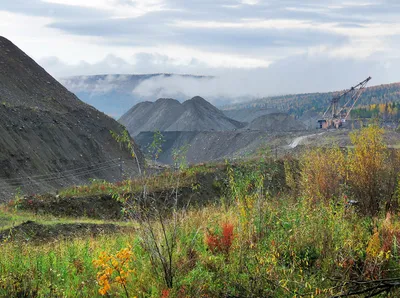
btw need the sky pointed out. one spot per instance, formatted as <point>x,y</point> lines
<point>258,47</point>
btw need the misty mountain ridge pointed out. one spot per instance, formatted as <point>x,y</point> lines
<point>115,94</point>
<point>168,114</point>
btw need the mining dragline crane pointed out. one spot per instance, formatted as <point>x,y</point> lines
<point>335,116</point>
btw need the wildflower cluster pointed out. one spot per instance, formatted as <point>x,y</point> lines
<point>114,269</point>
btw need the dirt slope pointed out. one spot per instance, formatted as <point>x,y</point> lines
<point>45,129</point>
<point>276,122</point>
<point>149,116</point>
<point>195,114</point>
<point>248,114</point>
<point>214,145</point>
<point>31,231</point>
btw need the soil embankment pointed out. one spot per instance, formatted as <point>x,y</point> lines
<point>36,232</point>
<point>49,138</point>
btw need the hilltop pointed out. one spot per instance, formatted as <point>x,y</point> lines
<point>165,114</point>
<point>47,132</point>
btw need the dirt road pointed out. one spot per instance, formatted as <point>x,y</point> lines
<point>297,140</point>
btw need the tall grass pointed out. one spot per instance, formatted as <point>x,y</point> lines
<point>299,249</point>
<point>271,236</point>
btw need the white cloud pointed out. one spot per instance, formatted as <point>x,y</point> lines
<point>250,2</point>
<point>189,62</point>
<point>211,37</point>
<point>250,24</point>
<point>301,74</point>
<point>119,8</point>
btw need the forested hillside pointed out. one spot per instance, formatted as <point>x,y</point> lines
<point>298,104</point>
<point>386,111</point>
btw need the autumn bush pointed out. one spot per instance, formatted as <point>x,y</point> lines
<point>368,168</point>
<point>114,269</point>
<point>365,173</point>
<point>220,243</point>
<point>323,172</point>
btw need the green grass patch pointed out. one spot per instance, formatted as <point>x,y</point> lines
<point>10,218</point>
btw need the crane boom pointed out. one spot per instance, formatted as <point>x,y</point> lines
<point>338,115</point>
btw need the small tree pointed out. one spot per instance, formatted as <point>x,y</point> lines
<point>124,139</point>
<point>155,147</point>
<point>159,234</point>
<point>158,217</point>
<point>179,156</point>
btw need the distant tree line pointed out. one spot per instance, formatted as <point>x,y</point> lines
<point>299,104</point>
<point>385,111</point>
